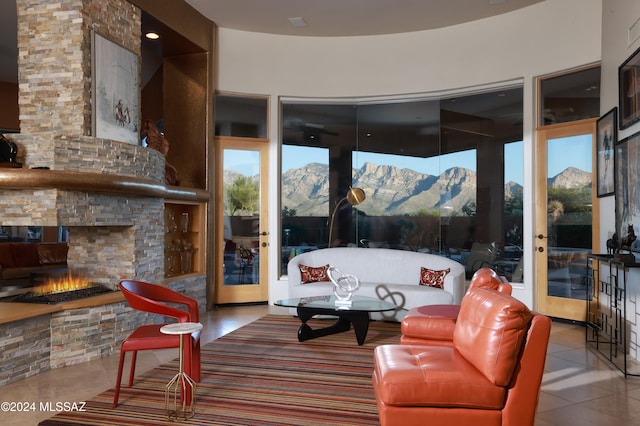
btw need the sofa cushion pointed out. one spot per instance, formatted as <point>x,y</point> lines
<point>6,256</point>
<point>25,254</point>
<point>490,331</point>
<point>52,253</point>
<point>432,277</point>
<point>313,274</point>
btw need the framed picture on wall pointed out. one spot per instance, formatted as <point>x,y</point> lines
<point>607,134</point>
<point>116,93</point>
<point>629,96</point>
<point>627,187</point>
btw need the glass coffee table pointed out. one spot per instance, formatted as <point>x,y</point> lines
<point>357,314</point>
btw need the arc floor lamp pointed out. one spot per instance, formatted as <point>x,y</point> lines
<point>354,197</point>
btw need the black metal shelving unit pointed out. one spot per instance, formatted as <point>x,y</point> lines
<point>607,328</point>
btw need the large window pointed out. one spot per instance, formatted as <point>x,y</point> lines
<point>440,176</point>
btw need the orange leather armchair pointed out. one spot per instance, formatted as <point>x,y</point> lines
<point>434,324</point>
<point>491,375</point>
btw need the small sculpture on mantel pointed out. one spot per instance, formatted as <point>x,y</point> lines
<point>626,243</point>
<point>157,141</point>
<point>628,240</point>
<point>612,244</point>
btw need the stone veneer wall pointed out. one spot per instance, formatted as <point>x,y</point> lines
<point>78,154</point>
<point>54,59</point>
<point>34,345</point>
<point>24,348</point>
<point>55,102</point>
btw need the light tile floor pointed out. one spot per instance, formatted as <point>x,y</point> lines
<point>578,388</point>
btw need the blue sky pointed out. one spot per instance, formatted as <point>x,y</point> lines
<point>565,152</point>
<point>562,153</point>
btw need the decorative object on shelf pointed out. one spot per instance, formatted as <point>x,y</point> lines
<point>607,134</point>
<point>186,259</point>
<point>184,222</point>
<point>627,241</point>
<point>170,266</point>
<point>343,285</point>
<point>612,244</point>
<point>623,253</point>
<point>354,197</point>
<point>8,153</point>
<point>170,221</point>
<point>157,141</point>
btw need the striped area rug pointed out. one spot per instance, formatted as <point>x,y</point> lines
<point>259,375</point>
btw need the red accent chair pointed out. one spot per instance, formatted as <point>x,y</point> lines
<point>153,298</point>
<point>434,324</point>
<point>491,375</point>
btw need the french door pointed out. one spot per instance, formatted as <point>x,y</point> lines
<point>241,220</point>
<point>566,208</point>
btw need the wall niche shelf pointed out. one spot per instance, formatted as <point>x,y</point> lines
<point>184,238</point>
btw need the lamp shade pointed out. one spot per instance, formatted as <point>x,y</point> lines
<point>355,196</point>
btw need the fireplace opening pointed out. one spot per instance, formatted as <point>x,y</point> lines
<point>59,289</point>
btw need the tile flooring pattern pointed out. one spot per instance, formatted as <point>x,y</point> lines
<point>579,387</point>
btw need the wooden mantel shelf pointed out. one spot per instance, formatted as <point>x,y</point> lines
<point>21,179</point>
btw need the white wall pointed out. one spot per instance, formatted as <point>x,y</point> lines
<point>617,17</point>
<point>551,36</point>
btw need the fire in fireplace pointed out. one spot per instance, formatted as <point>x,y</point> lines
<point>62,284</point>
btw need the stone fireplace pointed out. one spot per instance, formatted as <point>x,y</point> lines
<point>70,178</point>
<point>110,194</point>
<point>111,197</point>
<point>112,235</point>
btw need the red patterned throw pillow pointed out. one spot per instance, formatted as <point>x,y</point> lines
<point>432,278</point>
<point>311,274</point>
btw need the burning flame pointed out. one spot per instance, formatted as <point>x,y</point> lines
<point>62,284</point>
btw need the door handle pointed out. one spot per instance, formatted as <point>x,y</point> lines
<point>541,237</point>
<point>264,233</point>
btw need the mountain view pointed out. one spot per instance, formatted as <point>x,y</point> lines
<point>394,191</point>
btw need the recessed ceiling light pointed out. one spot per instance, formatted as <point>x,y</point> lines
<point>152,36</point>
<point>298,22</point>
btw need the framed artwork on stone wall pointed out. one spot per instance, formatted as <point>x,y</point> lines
<point>116,94</point>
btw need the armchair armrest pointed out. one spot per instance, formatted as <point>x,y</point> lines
<point>431,324</point>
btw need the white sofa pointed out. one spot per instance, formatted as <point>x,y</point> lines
<point>387,274</point>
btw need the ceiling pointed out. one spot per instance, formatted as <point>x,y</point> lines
<point>330,18</point>
<point>322,17</point>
